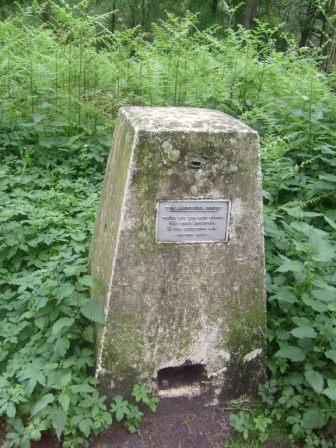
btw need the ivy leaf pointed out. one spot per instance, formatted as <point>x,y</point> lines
<point>93,310</point>
<point>331,354</point>
<point>313,418</point>
<point>58,419</point>
<point>42,403</point>
<point>62,323</point>
<point>304,332</point>
<point>315,379</point>
<point>293,353</point>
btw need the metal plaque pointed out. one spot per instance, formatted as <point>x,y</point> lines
<point>193,221</point>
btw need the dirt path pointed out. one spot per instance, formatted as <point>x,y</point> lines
<point>175,425</point>
<point>194,427</point>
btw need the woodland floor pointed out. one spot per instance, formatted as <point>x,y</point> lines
<point>173,426</point>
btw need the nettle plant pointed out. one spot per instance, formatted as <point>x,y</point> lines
<point>299,190</point>
<point>47,213</point>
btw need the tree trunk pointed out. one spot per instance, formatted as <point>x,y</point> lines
<point>144,10</point>
<point>214,5</point>
<point>251,13</point>
<point>328,37</point>
<point>305,35</point>
<point>307,25</point>
<point>133,10</point>
<point>46,14</point>
<point>113,16</point>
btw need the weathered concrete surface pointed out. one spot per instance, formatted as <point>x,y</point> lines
<point>170,305</point>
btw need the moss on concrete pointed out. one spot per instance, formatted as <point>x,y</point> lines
<point>172,303</point>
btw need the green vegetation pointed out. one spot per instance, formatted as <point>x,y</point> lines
<point>61,85</point>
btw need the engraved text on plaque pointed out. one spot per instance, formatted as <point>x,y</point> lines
<point>193,221</point>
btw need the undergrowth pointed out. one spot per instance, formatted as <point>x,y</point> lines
<point>61,86</point>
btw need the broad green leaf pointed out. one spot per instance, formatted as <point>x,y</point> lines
<point>31,385</point>
<point>86,280</point>
<point>293,379</point>
<point>85,426</point>
<point>65,290</point>
<point>291,266</point>
<point>93,310</point>
<point>284,294</point>
<point>42,403</point>
<point>10,411</point>
<point>324,251</point>
<point>328,177</point>
<point>41,322</point>
<point>315,304</point>
<point>64,401</point>
<point>58,419</point>
<point>331,354</point>
<point>4,382</point>
<point>74,270</point>
<point>62,323</point>
<point>293,353</point>
<point>330,222</point>
<point>65,380</point>
<point>315,379</point>
<point>304,332</point>
<point>300,321</point>
<point>313,418</point>
<point>88,333</point>
<point>302,227</point>
<point>62,345</point>
<point>326,295</point>
<point>330,391</point>
<point>82,388</point>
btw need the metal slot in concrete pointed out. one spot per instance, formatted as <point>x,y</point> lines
<point>196,164</point>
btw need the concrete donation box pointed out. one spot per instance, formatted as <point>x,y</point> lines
<point>178,254</point>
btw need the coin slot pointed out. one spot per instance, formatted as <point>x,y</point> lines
<point>192,376</point>
<point>196,164</point>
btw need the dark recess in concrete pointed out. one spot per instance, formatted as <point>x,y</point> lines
<point>185,375</point>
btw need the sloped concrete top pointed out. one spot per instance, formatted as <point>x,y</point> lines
<point>158,119</point>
